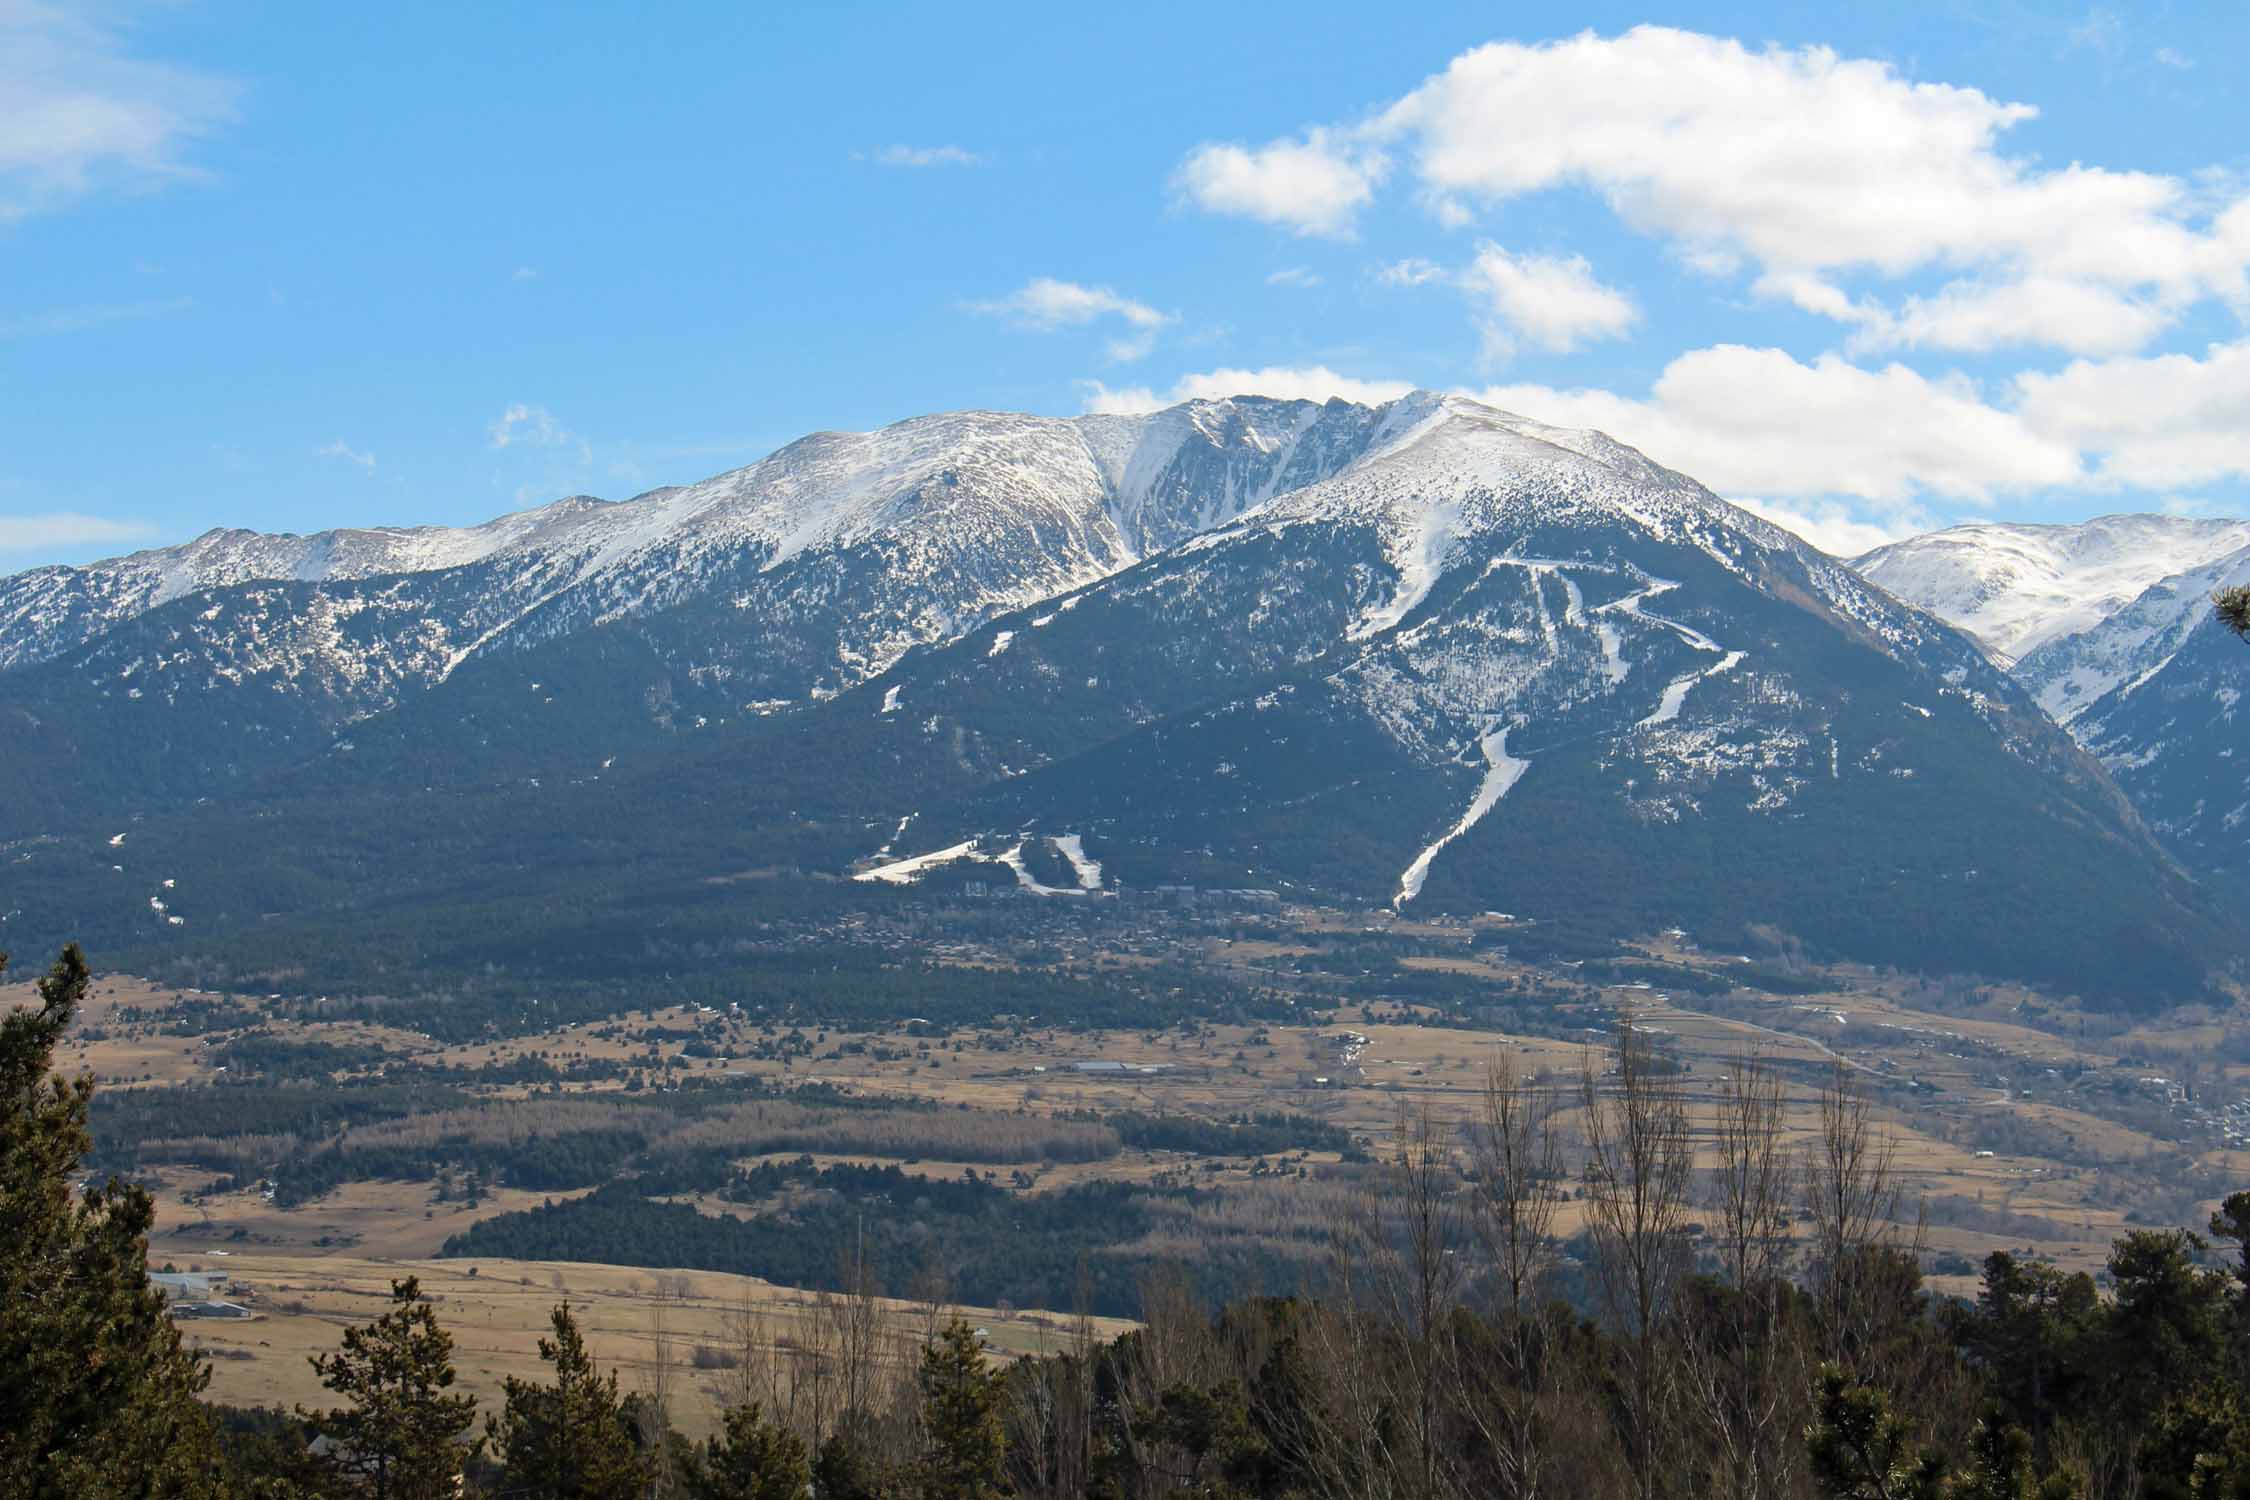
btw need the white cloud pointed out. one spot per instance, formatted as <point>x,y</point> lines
<point>1412,271</point>
<point>1833,528</point>
<point>1046,304</point>
<point>1977,317</point>
<point>1799,437</point>
<point>81,114</point>
<point>339,449</point>
<point>1850,456</point>
<point>1119,401</point>
<point>58,530</point>
<point>1296,276</point>
<point>1283,382</point>
<point>527,426</point>
<point>2172,419</point>
<point>1552,302</point>
<point>1316,185</point>
<point>1759,422</point>
<point>1805,166</point>
<point>924,156</point>
<point>2172,57</point>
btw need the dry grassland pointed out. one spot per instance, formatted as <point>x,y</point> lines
<point>1999,1198</point>
<point>633,1319</point>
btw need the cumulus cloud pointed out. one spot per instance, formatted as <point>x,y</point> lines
<point>924,156</point>
<point>1046,304</point>
<point>1313,185</point>
<point>2155,423</point>
<point>58,530</point>
<point>1834,528</point>
<point>1850,456</point>
<point>1760,422</point>
<point>1977,317</point>
<point>1809,441</point>
<point>83,113</point>
<point>1809,168</point>
<point>1551,302</point>
<point>343,451</point>
<point>1283,382</point>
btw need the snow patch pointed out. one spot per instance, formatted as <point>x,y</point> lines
<point>1072,847</point>
<point>1014,860</point>
<point>1419,560</point>
<point>1502,772</point>
<point>1631,605</point>
<point>1675,693</point>
<point>906,871</point>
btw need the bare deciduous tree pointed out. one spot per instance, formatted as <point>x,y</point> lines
<point>1639,1172</point>
<point>1852,1204</point>
<point>1745,1368</point>
<point>1517,1174</point>
<point>1412,1234</point>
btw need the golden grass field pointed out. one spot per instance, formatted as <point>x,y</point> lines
<point>498,1314</point>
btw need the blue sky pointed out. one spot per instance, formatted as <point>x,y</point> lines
<point>298,267</point>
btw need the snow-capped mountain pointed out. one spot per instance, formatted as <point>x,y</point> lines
<point>47,611</point>
<point>969,510</point>
<point>1490,664</point>
<point>2112,620</point>
<point>785,581</point>
<point>2018,587</point>
<point>1426,654</point>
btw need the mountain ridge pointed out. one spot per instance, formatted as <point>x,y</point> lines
<point>1428,655</point>
<point>2019,586</point>
<point>2149,683</point>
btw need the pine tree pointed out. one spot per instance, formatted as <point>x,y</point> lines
<point>570,1440</point>
<point>396,1440</point>
<point>2000,1467</point>
<point>97,1391</point>
<point>2199,1448</point>
<point>1862,1450</point>
<point>2232,606</point>
<point>961,1415</point>
<point>845,1467</point>
<point>2230,1225</point>
<point>750,1459</point>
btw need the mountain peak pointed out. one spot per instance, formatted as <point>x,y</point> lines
<point>2018,586</point>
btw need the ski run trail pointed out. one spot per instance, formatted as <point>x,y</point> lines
<point>1502,772</point>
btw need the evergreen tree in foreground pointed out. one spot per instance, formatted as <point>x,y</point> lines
<point>961,1415</point>
<point>397,1440</point>
<point>751,1459</point>
<point>97,1392</point>
<point>1861,1449</point>
<point>570,1440</point>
